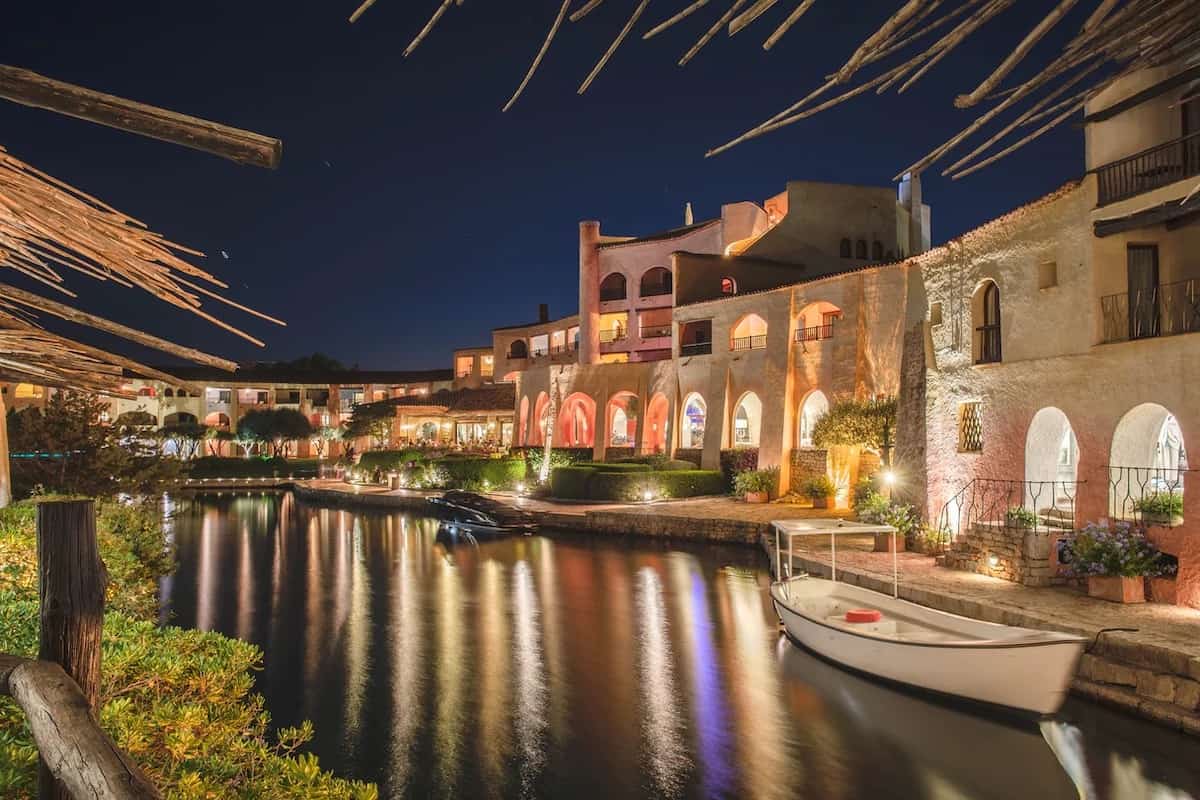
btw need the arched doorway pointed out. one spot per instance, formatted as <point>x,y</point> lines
<point>1051,462</point>
<point>815,406</point>
<point>654,439</point>
<point>622,419</point>
<point>539,423</point>
<point>747,420</point>
<point>1148,459</point>
<point>691,433</point>
<point>179,418</point>
<point>217,419</point>
<point>522,419</point>
<point>750,333</point>
<point>577,421</point>
<point>816,321</point>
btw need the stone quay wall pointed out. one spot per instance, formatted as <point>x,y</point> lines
<point>1022,556</point>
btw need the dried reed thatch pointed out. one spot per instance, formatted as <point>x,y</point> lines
<point>47,227</point>
<point>1118,37</point>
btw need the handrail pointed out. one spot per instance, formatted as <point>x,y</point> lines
<point>72,745</point>
<point>1164,310</point>
<point>1129,486</point>
<point>695,349</point>
<point>1153,167</point>
<point>993,501</point>
<point>748,342</point>
<point>815,333</point>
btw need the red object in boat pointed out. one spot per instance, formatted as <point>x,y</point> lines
<point>863,615</point>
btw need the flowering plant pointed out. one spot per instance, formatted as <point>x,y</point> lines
<point>1121,550</point>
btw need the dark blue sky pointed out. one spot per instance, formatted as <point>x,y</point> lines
<point>410,216</point>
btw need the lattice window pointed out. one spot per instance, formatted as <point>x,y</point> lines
<point>970,428</point>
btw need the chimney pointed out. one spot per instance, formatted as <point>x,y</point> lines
<point>543,312</point>
<point>687,214</point>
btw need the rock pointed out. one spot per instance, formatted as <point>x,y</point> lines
<point>1155,687</point>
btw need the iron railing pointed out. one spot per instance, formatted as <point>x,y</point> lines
<point>1157,166</point>
<point>815,333</point>
<point>695,349</point>
<point>748,342</point>
<point>989,344</point>
<point>610,336</point>
<point>612,294</point>
<point>1147,495</point>
<point>656,289</point>
<point>1016,505</point>
<point>655,331</point>
<point>1165,310</point>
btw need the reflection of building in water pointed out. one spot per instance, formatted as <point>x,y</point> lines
<point>407,658</point>
<point>449,715</point>
<point>530,710</point>
<point>494,737</point>
<point>662,726</point>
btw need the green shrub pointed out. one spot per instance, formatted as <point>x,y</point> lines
<point>817,487</point>
<point>388,460</point>
<point>868,423</point>
<point>618,466</point>
<point>476,474</point>
<point>690,482</point>
<point>692,455</point>
<point>303,467</point>
<point>571,483</point>
<point>1017,517</point>
<point>223,467</point>
<point>559,457</point>
<point>655,462</point>
<point>737,460</point>
<point>757,480</point>
<point>1167,504</point>
<point>180,703</point>
<point>877,509</point>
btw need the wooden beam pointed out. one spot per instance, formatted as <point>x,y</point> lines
<point>37,91</point>
<point>77,751</point>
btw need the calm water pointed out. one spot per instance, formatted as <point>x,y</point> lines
<point>563,666</point>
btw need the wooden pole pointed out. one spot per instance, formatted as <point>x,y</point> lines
<point>245,147</point>
<point>71,583</point>
<point>5,464</point>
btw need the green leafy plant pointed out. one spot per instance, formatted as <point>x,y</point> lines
<point>1120,550</point>
<point>1165,504</point>
<point>867,423</point>
<point>817,487</point>
<point>1017,517</point>
<point>757,480</point>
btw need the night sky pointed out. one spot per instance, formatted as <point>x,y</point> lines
<point>409,215</point>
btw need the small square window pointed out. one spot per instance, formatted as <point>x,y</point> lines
<point>970,428</point>
<point>935,313</point>
<point>1047,274</point>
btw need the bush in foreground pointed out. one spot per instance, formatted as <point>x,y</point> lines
<point>583,482</point>
<point>179,702</point>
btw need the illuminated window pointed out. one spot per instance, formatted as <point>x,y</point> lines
<point>487,365</point>
<point>614,358</point>
<point>970,428</point>
<point>28,391</point>
<point>539,345</point>
<point>463,365</point>
<point>728,286</point>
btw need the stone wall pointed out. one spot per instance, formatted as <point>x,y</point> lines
<point>1020,555</point>
<point>808,461</point>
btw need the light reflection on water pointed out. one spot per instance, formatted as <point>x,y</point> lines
<point>567,666</point>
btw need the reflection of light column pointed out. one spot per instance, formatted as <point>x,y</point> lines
<point>531,681</point>
<point>494,734</point>
<point>448,720</point>
<point>552,637</point>
<point>768,769</point>
<point>407,680</point>
<point>661,724</point>
<point>166,584</point>
<point>206,572</point>
<point>245,579</point>
<point>315,612</point>
<point>358,638</point>
<point>711,712</point>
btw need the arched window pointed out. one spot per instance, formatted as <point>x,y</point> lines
<point>181,393</point>
<point>860,249</point>
<point>728,286</point>
<point>613,287</point>
<point>146,391</point>
<point>815,406</point>
<point>691,435</point>
<point>986,313</point>
<point>656,281</point>
<point>747,421</point>
<point>750,333</point>
<point>877,251</point>
<point>844,250</point>
<point>169,393</point>
<point>518,349</point>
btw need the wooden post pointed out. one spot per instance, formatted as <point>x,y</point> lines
<point>71,584</point>
<point>5,464</point>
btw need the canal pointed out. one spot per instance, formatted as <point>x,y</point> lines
<point>568,666</point>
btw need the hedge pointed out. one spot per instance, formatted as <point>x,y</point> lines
<point>656,462</point>
<point>605,466</point>
<point>691,454</point>
<point>388,460</point>
<point>473,473</point>
<point>586,482</point>
<point>737,460</point>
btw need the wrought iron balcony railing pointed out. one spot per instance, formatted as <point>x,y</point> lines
<point>815,333</point>
<point>749,342</point>
<point>696,349</point>
<point>1148,495</point>
<point>610,336</point>
<point>655,331</point>
<point>1165,310</point>
<point>656,289</point>
<point>607,295</point>
<point>1158,166</point>
<point>1028,505</point>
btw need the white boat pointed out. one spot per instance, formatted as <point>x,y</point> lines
<point>902,642</point>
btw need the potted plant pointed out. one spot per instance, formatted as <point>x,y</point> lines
<point>1161,508</point>
<point>756,485</point>
<point>819,489</point>
<point>1020,518</point>
<point>1116,561</point>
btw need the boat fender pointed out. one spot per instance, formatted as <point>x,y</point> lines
<point>863,615</point>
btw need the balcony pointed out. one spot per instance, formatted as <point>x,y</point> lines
<point>610,336</point>
<point>1166,310</point>
<point>748,343</point>
<point>610,294</point>
<point>655,331</point>
<point>815,333</point>
<point>1158,166</point>
<point>695,349</point>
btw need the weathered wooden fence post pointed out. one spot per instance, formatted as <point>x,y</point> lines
<point>71,583</point>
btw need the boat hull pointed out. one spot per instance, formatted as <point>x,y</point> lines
<point>1030,676</point>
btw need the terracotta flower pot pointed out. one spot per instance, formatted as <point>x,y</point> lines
<point>1164,520</point>
<point>820,502</point>
<point>1162,590</point>
<point>883,543</point>
<point>757,497</point>
<point>1117,589</point>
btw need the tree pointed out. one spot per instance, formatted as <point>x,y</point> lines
<point>185,437</point>
<point>867,423</point>
<point>373,420</point>
<point>67,449</point>
<point>275,427</point>
<point>322,437</point>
